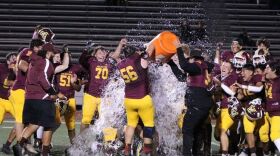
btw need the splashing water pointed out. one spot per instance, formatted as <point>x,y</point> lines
<point>168,97</point>
<point>111,114</point>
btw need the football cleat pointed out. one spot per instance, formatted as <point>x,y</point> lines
<point>17,149</point>
<point>244,152</point>
<point>6,149</point>
<point>28,149</point>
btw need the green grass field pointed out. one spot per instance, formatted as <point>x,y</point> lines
<point>60,139</point>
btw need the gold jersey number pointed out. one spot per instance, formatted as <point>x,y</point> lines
<point>128,74</point>
<point>102,72</point>
<point>65,80</point>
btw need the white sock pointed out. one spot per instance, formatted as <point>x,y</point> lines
<point>40,131</point>
<point>277,143</point>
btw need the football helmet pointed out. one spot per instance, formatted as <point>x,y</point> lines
<point>45,34</point>
<point>62,105</point>
<point>258,58</point>
<point>235,109</point>
<point>129,50</point>
<point>254,110</point>
<point>239,59</point>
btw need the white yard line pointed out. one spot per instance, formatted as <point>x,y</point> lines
<point>7,127</point>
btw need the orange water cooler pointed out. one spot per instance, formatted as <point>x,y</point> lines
<point>163,46</point>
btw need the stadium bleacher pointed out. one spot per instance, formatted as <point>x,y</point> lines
<point>76,21</point>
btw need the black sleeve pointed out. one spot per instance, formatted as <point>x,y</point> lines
<point>11,75</point>
<point>177,72</point>
<point>210,66</point>
<point>83,60</point>
<point>191,68</point>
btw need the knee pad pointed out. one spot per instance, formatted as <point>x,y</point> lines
<point>148,132</point>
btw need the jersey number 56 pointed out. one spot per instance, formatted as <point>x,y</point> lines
<point>128,74</point>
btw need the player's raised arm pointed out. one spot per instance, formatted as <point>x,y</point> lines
<point>86,55</point>
<point>65,62</point>
<point>116,54</point>
<point>177,72</point>
<point>190,68</point>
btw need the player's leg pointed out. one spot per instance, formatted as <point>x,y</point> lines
<point>132,121</point>
<point>6,147</point>
<point>90,105</point>
<point>249,127</point>
<point>70,119</point>
<point>264,135</point>
<point>275,131</point>
<point>226,123</point>
<point>17,98</point>
<point>146,113</point>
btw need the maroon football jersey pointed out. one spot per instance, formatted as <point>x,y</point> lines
<point>248,96</point>
<point>135,77</point>
<point>227,56</point>
<point>21,76</point>
<point>39,75</point>
<point>273,97</point>
<point>201,80</point>
<point>63,80</point>
<point>98,77</point>
<point>228,81</point>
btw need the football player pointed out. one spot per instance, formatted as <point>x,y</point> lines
<point>17,92</point>
<point>97,63</point>
<point>272,74</point>
<point>197,99</point>
<point>228,78</point>
<point>7,77</point>
<point>138,102</point>
<point>39,109</point>
<point>251,87</point>
<point>68,82</point>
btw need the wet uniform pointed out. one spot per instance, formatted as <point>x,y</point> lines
<point>197,99</point>
<point>138,102</point>
<point>98,78</point>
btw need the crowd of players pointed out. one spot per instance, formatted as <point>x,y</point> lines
<point>240,89</point>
